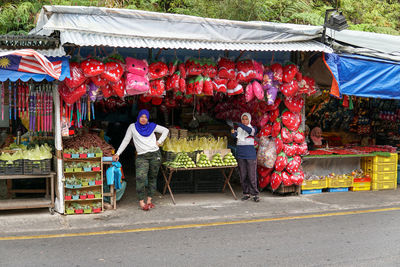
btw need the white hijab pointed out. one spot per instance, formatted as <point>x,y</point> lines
<point>242,134</point>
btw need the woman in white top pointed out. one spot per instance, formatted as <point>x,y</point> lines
<point>148,158</point>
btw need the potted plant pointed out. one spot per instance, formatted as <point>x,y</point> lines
<point>78,167</point>
<point>97,194</point>
<point>92,181</point>
<point>77,182</point>
<point>68,195</point>
<point>69,183</point>
<point>74,154</point>
<point>75,195</point>
<point>96,167</point>
<point>90,194</point>
<point>78,208</point>
<point>98,179</point>
<point>85,182</point>
<point>68,167</point>
<point>82,195</point>
<point>82,153</point>
<point>87,167</point>
<point>91,152</point>
<point>67,153</point>
<point>98,152</point>
<point>96,208</point>
<point>87,209</point>
<point>69,209</point>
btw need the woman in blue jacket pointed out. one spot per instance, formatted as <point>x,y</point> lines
<point>247,157</point>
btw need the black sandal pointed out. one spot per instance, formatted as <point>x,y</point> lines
<point>256,199</point>
<point>245,197</point>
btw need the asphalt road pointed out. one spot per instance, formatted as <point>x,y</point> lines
<point>368,239</point>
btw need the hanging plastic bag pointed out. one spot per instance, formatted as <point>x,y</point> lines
<point>276,180</point>
<point>289,72</point>
<point>266,154</point>
<point>286,179</point>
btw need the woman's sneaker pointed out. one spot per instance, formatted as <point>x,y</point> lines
<point>256,199</point>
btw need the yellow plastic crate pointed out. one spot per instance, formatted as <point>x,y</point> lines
<point>342,182</point>
<point>384,167</point>
<point>361,188</point>
<point>367,164</point>
<point>383,176</point>
<point>392,159</point>
<point>384,185</point>
<point>314,184</point>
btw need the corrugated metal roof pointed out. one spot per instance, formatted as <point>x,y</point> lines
<point>55,52</point>
<point>96,39</point>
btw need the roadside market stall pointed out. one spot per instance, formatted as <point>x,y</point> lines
<point>358,114</point>
<point>199,81</point>
<point>27,86</point>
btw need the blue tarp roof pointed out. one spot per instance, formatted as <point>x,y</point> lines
<point>25,76</point>
<point>365,76</point>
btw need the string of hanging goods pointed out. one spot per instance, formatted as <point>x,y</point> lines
<point>31,103</point>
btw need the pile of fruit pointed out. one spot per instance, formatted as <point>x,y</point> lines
<point>230,160</point>
<point>217,161</point>
<point>203,161</point>
<point>182,160</point>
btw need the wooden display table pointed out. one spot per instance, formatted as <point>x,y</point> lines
<point>168,172</point>
<point>31,203</point>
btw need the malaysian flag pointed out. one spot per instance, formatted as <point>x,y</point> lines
<point>28,60</point>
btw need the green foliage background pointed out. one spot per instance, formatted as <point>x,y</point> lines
<point>381,16</point>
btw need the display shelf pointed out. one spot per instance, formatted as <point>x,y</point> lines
<point>81,172</point>
<point>83,187</point>
<point>81,200</point>
<point>84,175</point>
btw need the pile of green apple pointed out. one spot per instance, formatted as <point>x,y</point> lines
<point>182,160</point>
<point>217,161</point>
<point>230,160</point>
<point>203,161</point>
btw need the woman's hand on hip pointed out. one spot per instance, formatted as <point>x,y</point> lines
<point>158,144</point>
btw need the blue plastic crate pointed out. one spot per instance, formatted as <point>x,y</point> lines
<point>313,191</point>
<point>340,189</point>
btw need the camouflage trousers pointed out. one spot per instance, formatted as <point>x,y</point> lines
<point>147,166</point>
